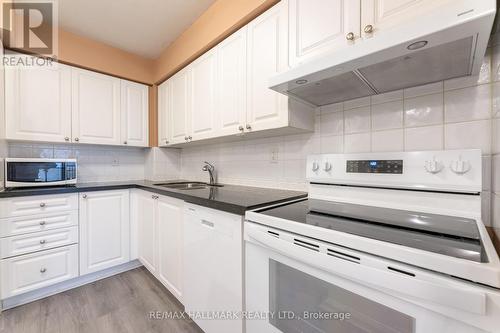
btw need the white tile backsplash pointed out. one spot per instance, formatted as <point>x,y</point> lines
<point>391,140</point>
<point>387,115</point>
<point>357,120</point>
<point>468,104</point>
<point>424,110</point>
<point>472,134</point>
<point>424,138</point>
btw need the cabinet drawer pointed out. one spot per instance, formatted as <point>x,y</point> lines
<point>21,206</point>
<point>32,271</point>
<point>28,224</point>
<point>22,244</point>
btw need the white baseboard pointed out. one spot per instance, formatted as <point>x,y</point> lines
<point>31,296</point>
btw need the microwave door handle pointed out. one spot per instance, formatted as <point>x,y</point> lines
<point>458,298</point>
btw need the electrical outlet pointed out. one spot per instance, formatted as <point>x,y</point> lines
<point>274,155</point>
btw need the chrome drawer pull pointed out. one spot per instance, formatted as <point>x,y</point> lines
<point>43,241</point>
<point>207,223</point>
<point>42,222</point>
<point>43,270</point>
<point>42,204</point>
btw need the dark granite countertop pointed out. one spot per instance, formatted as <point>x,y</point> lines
<point>230,198</point>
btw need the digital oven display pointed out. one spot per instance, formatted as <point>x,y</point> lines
<point>375,166</point>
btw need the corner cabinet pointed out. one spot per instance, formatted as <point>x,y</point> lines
<point>60,103</point>
<point>104,230</point>
<point>326,26</point>
<point>159,224</point>
<point>225,92</point>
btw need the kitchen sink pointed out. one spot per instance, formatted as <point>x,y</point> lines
<point>188,185</point>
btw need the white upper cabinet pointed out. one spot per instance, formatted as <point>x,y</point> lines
<point>327,26</point>
<point>267,56</point>
<point>232,83</point>
<point>38,103</point>
<point>104,230</point>
<point>321,25</point>
<point>134,114</point>
<point>164,103</point>
<point>379,15</point>
<point>179,96</point>
<point>202,96</point>
<point>96,108</point>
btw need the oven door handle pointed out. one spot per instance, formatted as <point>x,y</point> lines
<point>458,298</point>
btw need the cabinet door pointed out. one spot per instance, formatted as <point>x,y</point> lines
<point>104,230</point>
<point>170,244</point>
<point>96,108</point>
<point>134,115</point>
<point>321,26</point>
<point>213,266</point>
<point>180,106</point>
<point>385,14</point>
<point>267,56</point>
<point>38,103</point>
<point>164,106</point>
<point>147,231</point>
<point>232,83</point>
<point>202,95</point>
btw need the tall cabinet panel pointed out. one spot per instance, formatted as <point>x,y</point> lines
<point>202,96</point>
<point>164,107</point>
<point>180,106</point>
<point>170,221</point>
<point>134,115</point>
<point>104,230</point>
<point>321,25</point>
<point>147,230</point>
<point>96,108</point>
<point>267,56</point>
<point>38,103</point>
<point>232,83</point>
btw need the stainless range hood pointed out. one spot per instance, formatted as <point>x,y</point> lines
<point>447,46</point>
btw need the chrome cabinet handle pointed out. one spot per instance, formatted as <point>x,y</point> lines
<point>154,197</point>
<point>43,270</point>
<point>124,142</point>
<point>241,128</point>
<point>186,138</point>
<point>190,138</point>
<point>350,36</point>
<point>42,223</point>
<point>66,139</point>
<point>249,127</point>
<point>207,223</point>
<point>368,29</point>
<point>42,204</point>
<point>76,139</point>
<point>43,241</point>
<point>166,142</point>
<point>84,196</point>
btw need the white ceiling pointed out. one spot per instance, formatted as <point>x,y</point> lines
<point>143,27</point>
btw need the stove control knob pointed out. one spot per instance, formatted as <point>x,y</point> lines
<point>433,166</point>
<point>328,166</point>
<point>315,166</point>
<point>460,166</point>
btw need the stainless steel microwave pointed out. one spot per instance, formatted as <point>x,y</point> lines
<point>28,172</point>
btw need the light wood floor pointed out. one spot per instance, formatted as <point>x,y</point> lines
<point>120,304</point>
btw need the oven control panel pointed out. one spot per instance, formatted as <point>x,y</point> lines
<point>374,166</point>
<point>446,170</point>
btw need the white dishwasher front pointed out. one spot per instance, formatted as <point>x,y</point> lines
<point>213,269</point>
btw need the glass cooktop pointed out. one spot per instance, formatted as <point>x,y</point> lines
<point>448,235</point>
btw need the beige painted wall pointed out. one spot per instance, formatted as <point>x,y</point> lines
<point>219,21</point>
<point>90,54</point>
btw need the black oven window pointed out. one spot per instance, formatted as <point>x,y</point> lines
<point>301,303</point>
<point>30,172</point>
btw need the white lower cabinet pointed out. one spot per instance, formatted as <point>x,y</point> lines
<point>37,270</point>
<point>104,230</point>
<point>159,221</point>
<point>213,266</point>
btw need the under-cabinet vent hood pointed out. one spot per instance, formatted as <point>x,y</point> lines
<point>443,45</point>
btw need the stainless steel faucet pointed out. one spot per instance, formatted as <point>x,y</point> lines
<point>211,169</point>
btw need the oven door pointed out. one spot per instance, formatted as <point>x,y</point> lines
<point>39,172</point>
<point>296,284</point>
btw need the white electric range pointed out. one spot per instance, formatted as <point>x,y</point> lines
<point>386,242</point>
